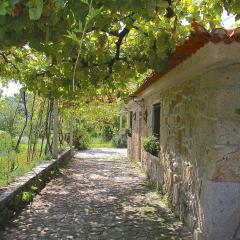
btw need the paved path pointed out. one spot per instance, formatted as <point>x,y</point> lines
<point>97,196</point>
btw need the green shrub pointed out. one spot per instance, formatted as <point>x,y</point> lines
<point>151,145</point>
<point>129,132</point>
<point>5,141</point>
<point>81,139</point>
<point>107,133</point>
<point>119,142</point>
<point>98,142</point>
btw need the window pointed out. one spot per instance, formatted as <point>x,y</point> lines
<point>156,120</point>
<point>130,119</point>
<point>145,116</point>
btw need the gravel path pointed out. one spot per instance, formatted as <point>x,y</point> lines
<point>98,195</point>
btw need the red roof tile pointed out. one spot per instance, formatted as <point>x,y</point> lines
<point>197,39</point>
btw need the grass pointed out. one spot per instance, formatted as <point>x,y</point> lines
<point>164,198</point>
<point>8,158</point>
<point>21,164</point>
<point>97,142</point>
<point>135,164</point>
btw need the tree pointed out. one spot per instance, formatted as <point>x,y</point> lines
<point>75,49</point>
<point>122,39</point>
<point>9,115</point>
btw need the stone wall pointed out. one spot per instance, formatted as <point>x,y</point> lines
<point>154,169</point>
<point>134,142</point>
<point>199,163</point>
<point>11,197</point>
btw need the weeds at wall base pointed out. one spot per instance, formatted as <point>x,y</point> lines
<point>164,198</point>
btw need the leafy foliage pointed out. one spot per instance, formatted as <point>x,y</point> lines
<point>151,145</point>
<point>91,54</point>
<point>129,132</point>
<point>9,115</point>
<point>122,40</point>
<point>119,142</point>
<point>26,134</point>
<point>81,139</point>
<point>35,9</point>
<point>5,141</point>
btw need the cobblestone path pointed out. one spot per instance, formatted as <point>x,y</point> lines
<point>98,195</point>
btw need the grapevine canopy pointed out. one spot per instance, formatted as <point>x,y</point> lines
<point>40,39</point>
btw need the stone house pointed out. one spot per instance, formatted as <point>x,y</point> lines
<point>193,107</point>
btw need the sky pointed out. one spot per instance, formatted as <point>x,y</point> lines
<point>228,21</point>
<point>11,89</point>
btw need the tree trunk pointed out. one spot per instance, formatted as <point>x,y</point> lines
<point>45,129</point>
<point>38,128</point>
<point>60,137</point>
<point>23,95</point>
<point>30,131</point>
<point>48,147</point>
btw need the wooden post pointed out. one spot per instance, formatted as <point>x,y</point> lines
<point>55,129</point>
<point>120,127</point>
<point>71,133</point>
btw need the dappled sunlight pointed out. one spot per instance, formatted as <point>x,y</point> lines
<point>96,199</point>
<point>101,153</point>
<point>97,177</point>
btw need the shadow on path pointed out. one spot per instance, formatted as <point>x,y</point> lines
<point>97,196</point>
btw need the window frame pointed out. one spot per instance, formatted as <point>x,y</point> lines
<point>156,130</point>
<point>131,120</point>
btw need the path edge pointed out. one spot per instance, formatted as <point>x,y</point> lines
<point>11,196</point>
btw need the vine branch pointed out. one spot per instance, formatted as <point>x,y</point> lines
<point>80,47</point>
<point>6,60</point>
<point>121,36</point>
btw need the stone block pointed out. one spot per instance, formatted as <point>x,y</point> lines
<point>228,132</point>
<point>220,208</point>
<point>228,103</point>
<point>175,195</point>
<point>197,235</point>
<point>228,168</point>
<point>222,77</point>
<point>237,234</point>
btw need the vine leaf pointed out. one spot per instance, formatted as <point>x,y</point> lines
<point>162,4</point>
<point>59,4</point>
<point>80,27</point>
<point>84,1</point>
<point>72,36</point>
<point>3,8</point>
<point>35,9</point>
<point>13,2</point>
<point>94,12</point>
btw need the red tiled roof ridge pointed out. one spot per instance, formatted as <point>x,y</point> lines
<point>196,40</point>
